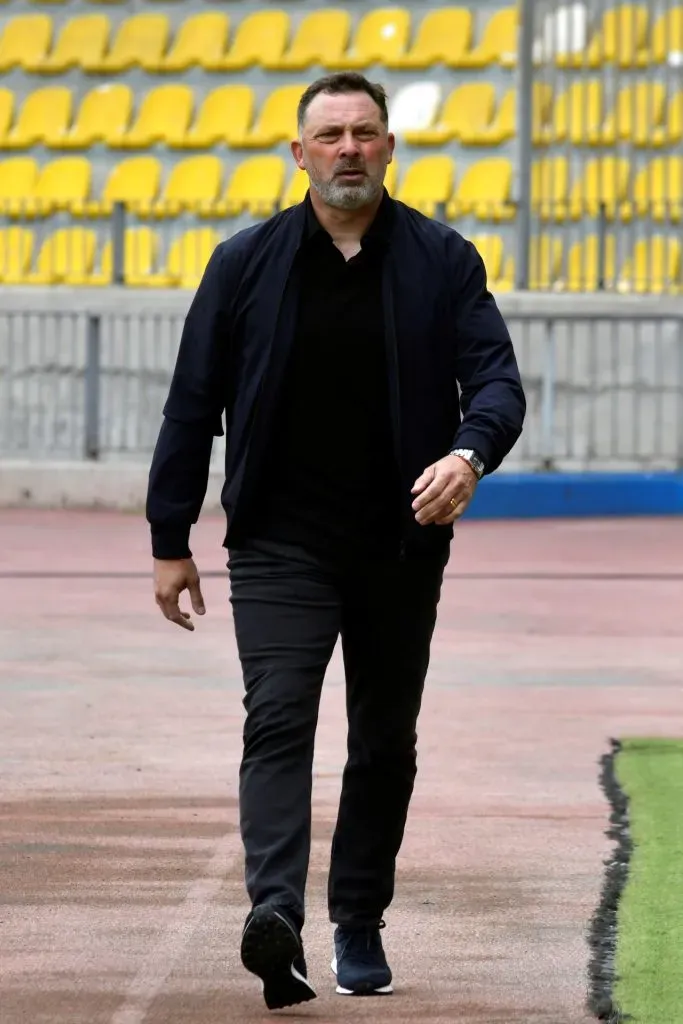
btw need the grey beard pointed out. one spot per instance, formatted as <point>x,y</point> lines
<point>346,197</point>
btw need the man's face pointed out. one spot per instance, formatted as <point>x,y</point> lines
<point>345,149</point>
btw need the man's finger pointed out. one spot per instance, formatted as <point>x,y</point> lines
<point>424,479</point>
<point>196,597</point>
<point>171,610</point>
<point>432,493</point>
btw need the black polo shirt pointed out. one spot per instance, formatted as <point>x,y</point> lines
<point>330,482</point>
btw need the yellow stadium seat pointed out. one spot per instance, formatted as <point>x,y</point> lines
<point>18,176</point>
<point>600,190</point>
<point>622,34</point>
<point>44,115</point>
<point>471,103</point>
<point>164,115</point>
<point>577,114</point>
<point>260,37</point>
<point>84,37</point>
<point>6,113</point>
<point>25,41</point>
<point>187,259</point>
<point>140,41</point>
<point>590,266</point>
<point>321,37</point>
<point>654,267</point>
<point>500,269</point>
<point>200,41</point>
<point>381,36</point>
<point>545,262</point>
<point>427,183</point>
<point>61,184</point>
<point>225,115</point>
<point>104,114</point>
<point>671,132</point>
<point>134,182</point>
<point>498,44</point>
<point>193,184</point>
<point>16,251</point>
<point>549,186</point>
<point>255,187</point>
<point>276,121</point>
<point>140,253</point>
<point>296,189</point>
<point>637,114</point>
<point>66,257</point>
<point>484,191</point>
<point>504,124</point>
<point>666,39</point>
<point>657,192</point>
<point>444,36</point>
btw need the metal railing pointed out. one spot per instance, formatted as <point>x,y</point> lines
<point>604,389</point>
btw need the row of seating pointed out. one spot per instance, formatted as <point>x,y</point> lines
<point>471,114</point>
<point>266,38</point>
<point>261,185</point>
<point>73,256</point>
<point>625,35</point>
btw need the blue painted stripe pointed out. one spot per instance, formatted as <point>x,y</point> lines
<point>543,495</point>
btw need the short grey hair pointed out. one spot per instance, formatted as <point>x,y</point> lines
<point>343,82</point>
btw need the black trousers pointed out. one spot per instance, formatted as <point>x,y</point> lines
<point>289,609</point>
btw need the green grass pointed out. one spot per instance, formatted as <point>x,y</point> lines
<point>649,955</point>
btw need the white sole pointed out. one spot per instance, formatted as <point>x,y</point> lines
<point>385,990</point>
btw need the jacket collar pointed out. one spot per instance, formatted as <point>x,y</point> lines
<point>378,233</point>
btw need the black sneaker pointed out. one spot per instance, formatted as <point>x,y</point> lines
<point>273,951</point>
<point>359,962</point>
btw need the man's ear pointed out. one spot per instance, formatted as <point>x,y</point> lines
<point>298,153</point>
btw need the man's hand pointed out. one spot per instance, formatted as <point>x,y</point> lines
<point>171,577</point>
<point>444,491</point>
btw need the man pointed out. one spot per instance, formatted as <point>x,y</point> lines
<point>335,337</point>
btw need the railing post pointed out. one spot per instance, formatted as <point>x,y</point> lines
<point>92,387</point>
<point>548,387</point>
<point>602,246</point>
<point>525,98</point>
<point>118,234</point>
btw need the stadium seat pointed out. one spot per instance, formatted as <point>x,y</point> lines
<point>45,115</point>
<point>671,131</point>
<point>65,257</point>
<point>133,182</point>
<point>666,40</point>
<point>16,251</point>
<point>622,34</point>
<point>414,107</point>
<point>504,124</point>
<point>468,104</point>
<point>140,41</point>
<point>654,267</point>
<point>24,41</point>
<point>484,191</point>
<point>6,112</point>
<point>84,37</point>
<point>599,191</point>
<point>657,192</point>
<point>591,265</point>
<point>104,114</point>
<point>276,121</point>
<point>60,184</point>
<point>545,262</point>
<point>18,176</point>
<point>164,114</point>
<point>381,36</point>
<point>427,183</point>
<point>260,37</point>
<point>577,114</point>
<point>443,37</point>
<point>321,37</point>
<point>498,268</point>
<point>549,186</point>
<point>200,41</point>
<point>498,43</point>
<point>224,116</point>
<point>637,114</point>
<point>187,259</point>
<point>193,184</point>
<point>254,187</point>
<point>140,253</point>
<point>564,30</point>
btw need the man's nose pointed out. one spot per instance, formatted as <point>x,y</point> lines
<point>349,146</point>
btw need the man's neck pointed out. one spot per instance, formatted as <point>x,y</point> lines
<point>344,226</point>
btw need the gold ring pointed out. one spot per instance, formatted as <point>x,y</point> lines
<point>453,503</point>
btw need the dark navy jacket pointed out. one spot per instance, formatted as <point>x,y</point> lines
<point>443,329</point>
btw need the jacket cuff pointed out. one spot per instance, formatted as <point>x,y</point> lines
<point>467,437</point>
<point>170,542</point>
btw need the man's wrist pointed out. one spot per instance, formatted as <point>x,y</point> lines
<point>473,459</point>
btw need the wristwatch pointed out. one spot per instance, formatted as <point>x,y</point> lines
<point>472,458</point>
